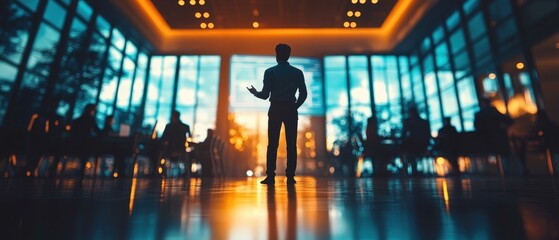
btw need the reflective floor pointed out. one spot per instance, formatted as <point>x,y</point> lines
<point>315,208</point>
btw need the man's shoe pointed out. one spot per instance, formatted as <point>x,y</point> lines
<point>291,180</point>
<point>268,180</point>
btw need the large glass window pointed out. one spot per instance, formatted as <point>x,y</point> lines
<point>359,93</point>
<point>337,102</point>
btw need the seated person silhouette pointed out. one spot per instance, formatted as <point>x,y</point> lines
<point>83,132</point>
<point>447,144</point>
<point>492,131</point>
<point>174,138</point>
<point>416,135</point>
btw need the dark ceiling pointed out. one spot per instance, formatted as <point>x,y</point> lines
<point>235,14</point>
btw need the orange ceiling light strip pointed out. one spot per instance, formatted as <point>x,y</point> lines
<point>154,15</point>
<point>393,19</point>
<point>396,15</point>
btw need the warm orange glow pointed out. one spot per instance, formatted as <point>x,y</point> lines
<point>445,194</point>
<point>346,24</point>
<point>203,25</point>
<point>374,1</point>
<point>210,25</point>
<point>132,195</point>
<point>255,13</point>
<point>519,65</point>
<point>202,2</point>
<point>255,24</point>
<point>206,15</point>
<point>353,24</point>
<point>440,160</point>
<point>162,161</point>
<point>160,170</point>
<point>181,2</point>
<point>401,8</point>
<point>197,15</point>
<point>400,20</point>
<point>88,165</point>
<point>362,1</point>
<point>32,121</point>
<point>115,175</point>
<point>492,76</point>
<point>357,14</point>
<point>350,13</point>
<point>68,127</point>
<point>308,135</point>
<point>47,126</point>
<point>28,173</point>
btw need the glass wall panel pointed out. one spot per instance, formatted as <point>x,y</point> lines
<point>336,101</point>
<point>55,14</point>
<point>359,93</point>
<point>110,82</point>
<point>138,87</point>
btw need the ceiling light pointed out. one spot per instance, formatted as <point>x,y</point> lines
<point>255,24</point>
<point>181,2</point>
<point>354,1</point>
<point>353,24</point>
<point>206,15</point>
<point>349,13</point>
<point>519,65</point>
<point>357,14</point>
<point>203,25</point>
<point>346,24</point>
<point>362,1</point>
<point>198,15</point>
<point>202,2</point>
<point>492,76</point>
<point>374,1</point>
<point>192,2</point>
<point>210,25</point>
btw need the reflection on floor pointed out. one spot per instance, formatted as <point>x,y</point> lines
<point>315,208</point>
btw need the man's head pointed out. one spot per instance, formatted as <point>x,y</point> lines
<point>447,121</point>
<point>175,116</point>
<point>283,51</point>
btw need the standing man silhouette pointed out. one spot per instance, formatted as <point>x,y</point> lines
<point>280,84</point>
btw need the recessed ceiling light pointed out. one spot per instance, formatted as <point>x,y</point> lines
<point>362,1</point>
<point>255,25</point>
<point>198,15</point>
<point>346,24</point>
<point>203,25</point>
<point>519,65</point>
<point>206,15</point>
<point>492,76</point>
<point>210,25</point>
<point>350,13</point>
<point>357,14</point>
<point>192,2</point>
<point>354,1</point>
<point>202,2</point>
<point>353,24</point>
<point>374,1</point>
<point>181,2</point>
